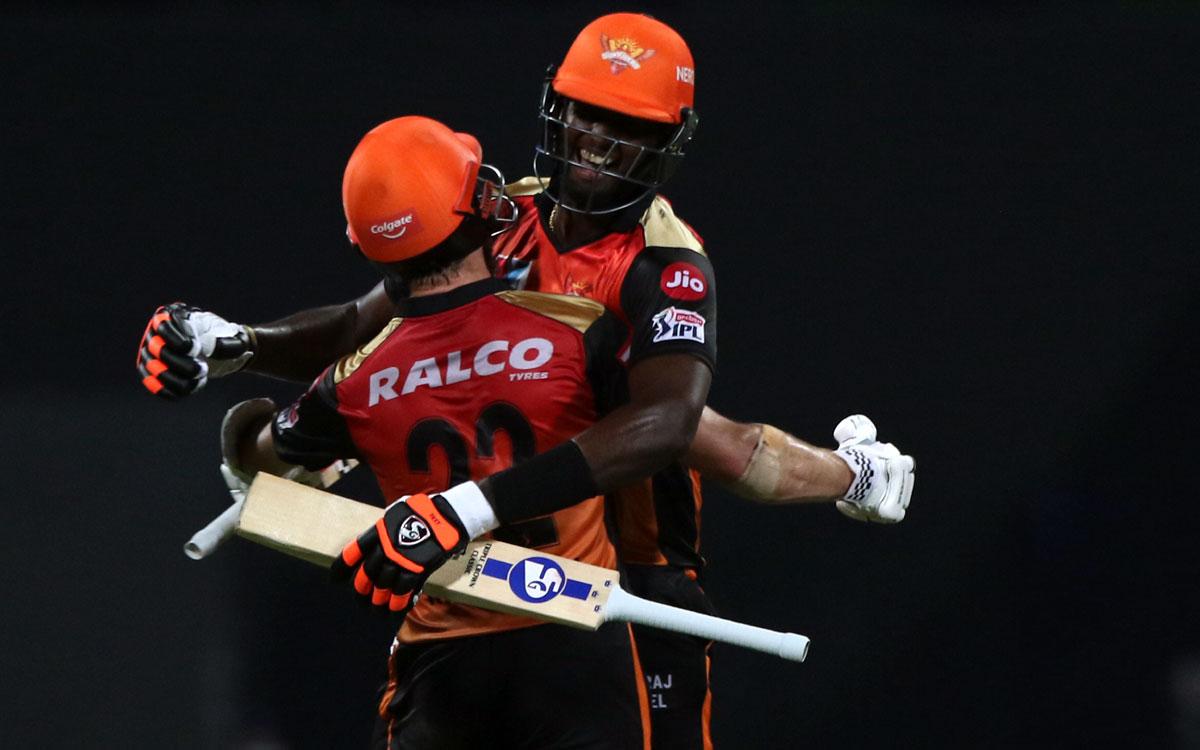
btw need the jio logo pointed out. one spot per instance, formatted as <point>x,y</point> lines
<point>683,281</point>
<point>536,579</point>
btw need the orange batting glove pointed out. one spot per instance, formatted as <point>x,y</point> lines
<point>389,562</point>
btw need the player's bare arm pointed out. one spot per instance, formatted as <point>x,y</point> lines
<point>667,395</point>
<point>868,480</point>
<point>757,461</point>
<point>299,346</point>
<point>761,462</point>
<point>183,346</point>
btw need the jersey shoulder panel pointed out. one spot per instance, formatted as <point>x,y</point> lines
<point>346,366</point>
<point>577,312</point>
<point>523,187</point>
<point>662,228</point>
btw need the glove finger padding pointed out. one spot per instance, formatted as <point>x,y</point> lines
<point>850,510</point>
<point>402,602</point>
<point>170,327</point>
<point>381,574</point>
<point>179,364</point>
<point>883,477</point>
<point>855,430</point>
<point>347,565</point>
<point>901,476</point>
<point>162,360</point>
<point>159,380</point>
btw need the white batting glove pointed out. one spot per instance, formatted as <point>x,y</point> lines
<point>183,346</point>
<point>883,477</point>
<point>223,347</point>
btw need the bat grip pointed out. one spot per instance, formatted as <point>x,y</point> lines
<point>629,608</point>
<point>207,539</point>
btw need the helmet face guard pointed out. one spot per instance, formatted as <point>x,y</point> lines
<point>646,173</point>
<point>488,201</point>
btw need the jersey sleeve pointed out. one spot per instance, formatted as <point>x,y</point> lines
<point>312,432</point>
<point>669,297</point>
<point>603,341</point>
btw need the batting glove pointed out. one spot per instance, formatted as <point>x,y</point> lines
<point>883,477</point>
<point>389,562</point>
<point>253,414</point>
<point>183,347</point>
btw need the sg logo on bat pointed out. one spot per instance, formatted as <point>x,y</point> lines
<point>536,579</point>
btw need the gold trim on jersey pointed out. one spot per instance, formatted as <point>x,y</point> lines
<point>577,312</point>
<point>523,186</point>
<point>348,364</point>
<point>664,229</point>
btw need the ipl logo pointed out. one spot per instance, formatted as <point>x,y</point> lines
<point>536,579</point>
<point>674,324</point>
<point>623,53</point>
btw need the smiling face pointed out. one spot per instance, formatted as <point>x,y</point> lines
<point>602,147</point>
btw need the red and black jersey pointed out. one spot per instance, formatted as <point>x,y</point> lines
<point>460,386</point>
<point>652,272</point>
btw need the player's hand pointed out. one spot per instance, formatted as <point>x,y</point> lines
<point>883,477</point>
<point>183,347</point>
<point>249,416</point>
<point>389,562</point>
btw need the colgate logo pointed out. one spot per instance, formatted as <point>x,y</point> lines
<point>389,228</point>
<point>683,281</point>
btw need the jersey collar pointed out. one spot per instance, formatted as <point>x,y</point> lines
<point>622,221</point>
<point>415,307</point>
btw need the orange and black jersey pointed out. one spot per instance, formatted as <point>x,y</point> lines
<point>459,386</point>
<point>653,273</point>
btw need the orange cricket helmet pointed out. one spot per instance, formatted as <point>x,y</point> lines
<point>633,65</point>
<point>410,183</point>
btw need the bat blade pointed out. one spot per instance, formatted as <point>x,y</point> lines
<point>314,526</point>
<point>205,541</point>
<point>301,521</point>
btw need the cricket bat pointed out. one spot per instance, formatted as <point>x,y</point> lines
<point>315,525</point>
<point>205,541</point>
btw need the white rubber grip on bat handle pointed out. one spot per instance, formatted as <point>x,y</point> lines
<point>626,607</point>
<point>204,541</point>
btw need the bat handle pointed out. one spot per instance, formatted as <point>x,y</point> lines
<point>207,539</point>
<point>629,608</point>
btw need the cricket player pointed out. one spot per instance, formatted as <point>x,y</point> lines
<point>617,116</point>
<point>468,378</point>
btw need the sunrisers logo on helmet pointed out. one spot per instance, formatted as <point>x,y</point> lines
<point>623,53</point>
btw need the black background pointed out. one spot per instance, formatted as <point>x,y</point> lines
<point>975,223</point>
